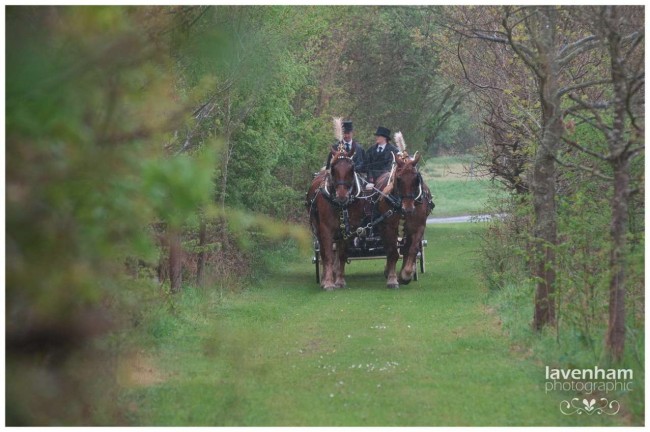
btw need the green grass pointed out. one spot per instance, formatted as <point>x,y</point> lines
<point>454,191</point>
<point>286,353</point>
<point>515,309</point>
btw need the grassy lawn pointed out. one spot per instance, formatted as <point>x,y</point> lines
<point>455,192</point>
<point>285,353</point>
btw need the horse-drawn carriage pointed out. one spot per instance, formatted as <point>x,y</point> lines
<point>352,220</point>
<point>369,248</point>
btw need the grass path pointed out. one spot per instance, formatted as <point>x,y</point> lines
<point>285,353</point>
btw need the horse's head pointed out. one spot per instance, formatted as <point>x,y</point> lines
<point>342,175</point>
<point>408,182</point>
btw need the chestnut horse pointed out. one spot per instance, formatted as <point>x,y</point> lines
<point>410,198</point>
<point>334,213</point>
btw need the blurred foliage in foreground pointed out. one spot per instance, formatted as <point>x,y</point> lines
<point>91,102</point>
<point>88,103</point>
<point>81,141</point>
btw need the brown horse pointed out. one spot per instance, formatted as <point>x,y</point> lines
<point>334,213</point>
<point>410,198</point>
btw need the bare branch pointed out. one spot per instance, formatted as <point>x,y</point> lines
<point>636,40</point>
<point>634,85</point>
<point>599,121</point>
<point>588,107</point>
<point>526,54</point>
<point>477,35</point>
<point>589,45</point>
<point>591,122</point>
<point>584,150</point>
<point>582,85</point>
<point>633,152</point>
<point>575,45</point>
<point>590,170</point>
<point>466,74</point>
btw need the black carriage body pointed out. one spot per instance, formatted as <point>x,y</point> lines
<point>369,248</point>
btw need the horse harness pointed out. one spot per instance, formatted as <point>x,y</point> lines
<point>394,200</point>
<point>343,213</point>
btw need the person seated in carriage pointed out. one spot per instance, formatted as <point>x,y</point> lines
<point>378,157</point>
<point>349,144</point>
<point>379,160</point>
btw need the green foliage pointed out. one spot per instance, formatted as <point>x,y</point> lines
<point>90,99</point>
<point>272,90</point>
<point>572,348</point>
<point>390,75</point>
<point>582,271</point>
<point>505,247</point>
<point>584,261</point>
<point>253,104</point>
<point>74,205</point>
<point>245,225</point>
<point>456,137</point>
<point>177,186</point>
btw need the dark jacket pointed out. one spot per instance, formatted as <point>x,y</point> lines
<point>379,163</point>
<point>358,157</point>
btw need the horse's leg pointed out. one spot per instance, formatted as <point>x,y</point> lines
<point>341,257</point>
<point>389,235</point>
<point>327,256</point>
<point>414,231</point>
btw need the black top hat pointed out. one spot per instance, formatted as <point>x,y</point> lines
<point>382,131</point>
<point>347,126</point>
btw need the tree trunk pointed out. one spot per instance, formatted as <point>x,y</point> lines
<point>615,341</point>
<point>619,159</point>
<point>226,156</point>
<point>224,175</point>
<point>200,262</point>
<point>543,184</point>
<point>175,260</point>
<point>545,231</point>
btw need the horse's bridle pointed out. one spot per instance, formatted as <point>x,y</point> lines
<point>349,184</point>
<point>412,196</point>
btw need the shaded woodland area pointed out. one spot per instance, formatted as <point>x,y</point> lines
<point>155,148</point>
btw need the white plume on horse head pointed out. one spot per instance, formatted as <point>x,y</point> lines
<point>338,128</point>
<point>399,141</point>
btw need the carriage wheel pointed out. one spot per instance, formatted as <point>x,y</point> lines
<point>421,257</point>
<point>316,260</point>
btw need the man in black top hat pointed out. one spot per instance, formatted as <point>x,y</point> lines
<point>348,144</point>
<point>379,157</point>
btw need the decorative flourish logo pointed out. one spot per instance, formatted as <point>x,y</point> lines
<point>602,406</point>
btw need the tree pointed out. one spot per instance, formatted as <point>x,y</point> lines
<point>501,93</point>
<point>541,56</point>
<point>389,75</point>
<point>534,33</point>
<point>622,36</point>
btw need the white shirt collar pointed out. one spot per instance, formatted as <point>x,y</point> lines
<point>381,146</point>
